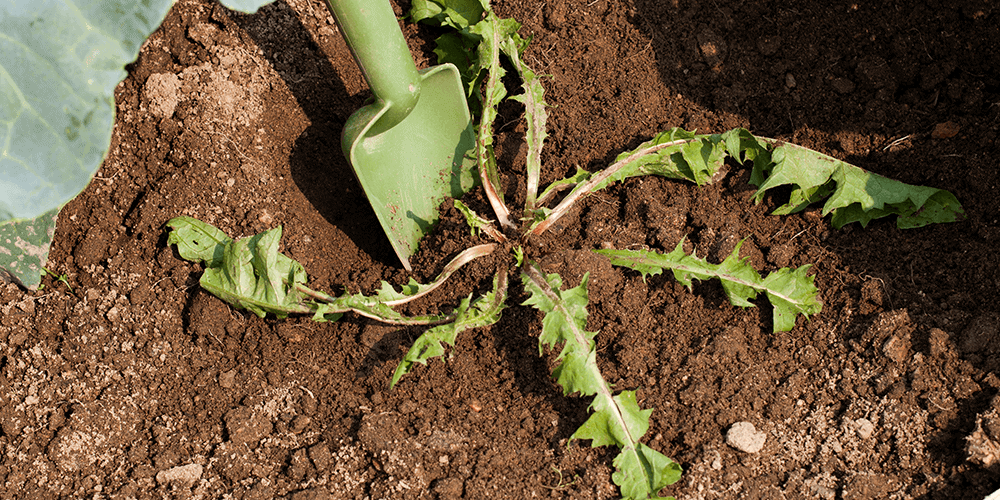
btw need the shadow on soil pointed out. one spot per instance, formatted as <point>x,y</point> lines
<point>317,163</point>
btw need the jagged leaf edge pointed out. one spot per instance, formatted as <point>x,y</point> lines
<point>797,293</point>
<point>815,176</point>
<point>250,273</point>
<point>634,461</point>
<point>483,311</point>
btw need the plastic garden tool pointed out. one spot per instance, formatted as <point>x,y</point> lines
<point>410,148</point>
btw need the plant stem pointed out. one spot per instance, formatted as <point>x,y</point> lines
<point>579,336</point>
<point>588,187</point>
<point>463,258</point>
<point>494,92</point>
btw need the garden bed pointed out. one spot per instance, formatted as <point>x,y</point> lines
<point>136,382</point>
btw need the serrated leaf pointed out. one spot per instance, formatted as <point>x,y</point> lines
<point>251,274</point>
<point>616,419</point>
<point>493,32</point>
<point>24,247</point>
<point>604,430</point>
<point>462,50</point>
<point>579,176</point>
<point>533,99</point>
<point>676,154</point>
<point>790,291</point>
<point>855,195</point>
<point>659,471</point>
<point>565,323</point>
<point>483,311</point>
<point>694,158</point>
<point>388,293</point>
<point>475,222</point>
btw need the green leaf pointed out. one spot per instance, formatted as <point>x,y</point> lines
<point>535,115</point>
<point>198,241</point>
<point>483,311</point>
<point>855,195</point>
<point>458,14</point>
<point>59,64</point>
<point>565,323</point>
<point>24,247</point>
<point>475,222</point>
<point>493,32</point>
<point>579,176</point>
<point>852,194</point>
<point>657,471</point>
<point>615,419</point>
<point>603,430</point>
<point>462,50</point>
<point>251,274</point>
<point>675,154</point>
<point>694,158</point>
<point>790,291</point>
<point>254,276</point>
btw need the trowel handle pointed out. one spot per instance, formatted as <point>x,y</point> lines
<point>371,31</point>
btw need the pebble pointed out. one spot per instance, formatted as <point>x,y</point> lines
<point>865,428</point>
<point>227,379</point>
<point>744,437</point>
<point>945,130</point>
<point>185,475</point>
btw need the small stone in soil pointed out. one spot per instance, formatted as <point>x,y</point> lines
<point>744,437</point>
<point>183,475</point>
<point>227,379</point>
<point>865,428</point>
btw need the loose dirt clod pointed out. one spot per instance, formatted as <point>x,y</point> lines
<point>744,437</point>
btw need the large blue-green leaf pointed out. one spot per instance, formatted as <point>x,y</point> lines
<point>24,247</point>
<point>59,64</point>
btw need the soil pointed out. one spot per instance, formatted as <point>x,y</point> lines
<point>138,384</point>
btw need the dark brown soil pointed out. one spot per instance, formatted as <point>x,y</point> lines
<point>140,385</point>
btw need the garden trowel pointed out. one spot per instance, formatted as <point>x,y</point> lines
<point>410,148</point>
